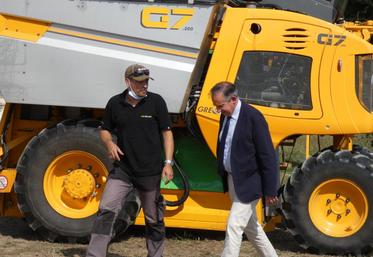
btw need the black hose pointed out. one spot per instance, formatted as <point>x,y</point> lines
<point>185,184</point>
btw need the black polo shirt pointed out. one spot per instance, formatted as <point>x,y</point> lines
<point>138,131</point>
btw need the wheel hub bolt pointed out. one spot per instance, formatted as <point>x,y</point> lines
<point>96,175</point>
<point>339,216</point>
<point>328,201</point>
<point>347,200</point>
<point>89,167</point>
<point>348,211</point>
<point>69,170</point>
<point>337,195</point>
<point>98,185</point>
<point>329,211</point>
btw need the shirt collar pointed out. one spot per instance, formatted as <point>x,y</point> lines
<point>236,111</point>
<point>124,95</point>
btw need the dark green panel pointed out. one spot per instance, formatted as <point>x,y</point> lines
<point>197,161</point>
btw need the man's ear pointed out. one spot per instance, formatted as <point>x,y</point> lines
<point>234,98</point>
<point>127,81</point>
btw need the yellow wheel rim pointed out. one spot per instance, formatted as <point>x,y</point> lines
<point>73,184</point>
<point>338,208</point>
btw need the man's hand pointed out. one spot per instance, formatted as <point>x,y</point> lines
<point>271,200</point>
<point>167,173</point>
<point>114,151</point>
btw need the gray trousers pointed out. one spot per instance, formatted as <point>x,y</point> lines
<point>113,198</point>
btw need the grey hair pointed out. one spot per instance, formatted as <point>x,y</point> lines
<point>227,88</point>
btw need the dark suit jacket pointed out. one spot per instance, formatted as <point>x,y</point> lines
<point>253,159</point>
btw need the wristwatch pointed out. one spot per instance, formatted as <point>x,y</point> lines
<point>171,162</point>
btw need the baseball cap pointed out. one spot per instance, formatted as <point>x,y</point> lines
<point>137,72</point>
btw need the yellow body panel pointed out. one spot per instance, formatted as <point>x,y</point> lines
<point>20,28</point>
<point>202,210</point>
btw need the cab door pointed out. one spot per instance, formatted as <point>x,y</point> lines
<point>276,66</point>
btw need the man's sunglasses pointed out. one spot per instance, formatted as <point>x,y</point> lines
<point>139,72</point>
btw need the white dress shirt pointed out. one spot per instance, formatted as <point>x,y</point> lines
<point>228,141</point>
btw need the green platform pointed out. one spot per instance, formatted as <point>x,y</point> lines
<point>197,161</point>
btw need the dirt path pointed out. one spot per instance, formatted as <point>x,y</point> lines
<point>18,240</point>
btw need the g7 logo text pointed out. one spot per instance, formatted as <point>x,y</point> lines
<point>330,39</point>
<point>164,15</point>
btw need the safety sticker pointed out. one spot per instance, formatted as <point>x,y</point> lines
<point>3,182</point>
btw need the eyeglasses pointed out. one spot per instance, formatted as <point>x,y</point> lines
<point>139,72</point>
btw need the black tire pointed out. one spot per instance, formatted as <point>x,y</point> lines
<point>328,166</point>
<point>32,166</point>
<point>358,149</point>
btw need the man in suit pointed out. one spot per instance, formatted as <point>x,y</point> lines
<point>247,164</point>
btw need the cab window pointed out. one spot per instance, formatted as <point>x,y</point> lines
<point>364,80</point>
<point>274,79</point>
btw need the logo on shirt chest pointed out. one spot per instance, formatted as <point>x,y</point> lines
<point>146,116</point>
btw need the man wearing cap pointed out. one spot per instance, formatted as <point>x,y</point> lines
<point>139,119</point>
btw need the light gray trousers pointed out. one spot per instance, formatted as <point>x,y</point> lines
<point>242,219</point>
<point>111,203</point>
